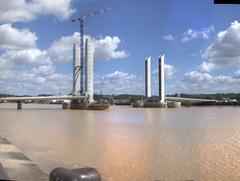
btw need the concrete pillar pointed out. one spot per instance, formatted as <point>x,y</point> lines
<point>79,105</point>
<point>19,105</point>
<point>66,106</point>
<point>174,104</point>
<point>89,51</point>
<point>161,78</point>
<point>76,70</point>
<point>148,77</point>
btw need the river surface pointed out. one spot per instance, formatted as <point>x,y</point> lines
<point>126,144</point>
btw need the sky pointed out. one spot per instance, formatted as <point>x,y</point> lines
<point>200,40</point>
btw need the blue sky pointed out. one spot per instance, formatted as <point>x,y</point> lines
<point>201,42</point>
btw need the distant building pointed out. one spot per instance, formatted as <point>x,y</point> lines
<point>89,50</point>
<point>148,77</point>
<point>76,70</point>
<point>161,78</point>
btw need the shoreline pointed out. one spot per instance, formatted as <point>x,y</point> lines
<point>14,165</point>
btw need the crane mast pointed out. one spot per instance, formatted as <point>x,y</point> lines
<point>81,56</point>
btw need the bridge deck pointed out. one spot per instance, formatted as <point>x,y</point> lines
<point>64,97</point>
<point>43,98</point>
<point>188,99</point>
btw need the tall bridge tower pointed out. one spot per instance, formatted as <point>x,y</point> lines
<point>161,78</point>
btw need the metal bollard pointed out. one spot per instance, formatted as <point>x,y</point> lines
<point>78,174</point>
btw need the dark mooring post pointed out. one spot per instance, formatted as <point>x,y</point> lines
<point>77,174</point>
<point>19,105</point>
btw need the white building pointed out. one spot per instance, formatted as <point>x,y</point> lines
<point>76,70</point>
<point>161,78</point>
<point>148,77</point>
<point>89,50</point>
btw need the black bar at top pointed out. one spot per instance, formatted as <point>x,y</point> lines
<point>226,1</point>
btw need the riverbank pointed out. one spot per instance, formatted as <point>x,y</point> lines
<point>14,165</point>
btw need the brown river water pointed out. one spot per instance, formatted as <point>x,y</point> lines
<point>126,144</point>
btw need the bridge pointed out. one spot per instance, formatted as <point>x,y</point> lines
<point>19,100</point>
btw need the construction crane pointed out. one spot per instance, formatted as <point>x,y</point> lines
<point>81,19</point>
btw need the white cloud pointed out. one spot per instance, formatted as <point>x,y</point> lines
<point>34,83</point>
<point>19,48</point>
<point>53,83</point>
<point>169,71</point>
<point>5,74</point>
<point>195,77</point>
<point>168,37</point>
<point>194,34</point>
<point>224,51</point>
<point>237,74</point>
<point>119,77</point>
<point>44,69</point>
<point>59,8</point>
<point>207,67</point>
<point>31,83</point>
<point>13,58</point>
<point>25,10</point>
<point>12,38</point>
<point>119,82</point>
<point>196,82</point>
<point>105,48</point>
<point>10,11</point>
<point>62,49</point>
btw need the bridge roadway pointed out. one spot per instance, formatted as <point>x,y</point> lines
<point>63,97</point>
<point>188,99</point>
<point>19,100</point>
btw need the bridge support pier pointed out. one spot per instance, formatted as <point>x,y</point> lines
<point>78,104</point>
<point>19,105</point>
<point>174,104</point>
